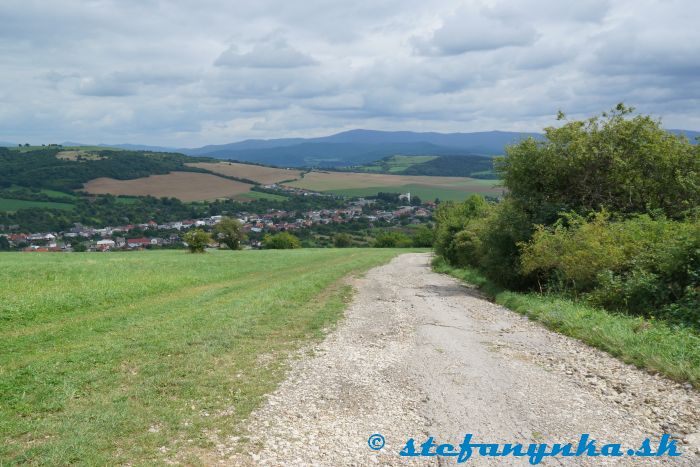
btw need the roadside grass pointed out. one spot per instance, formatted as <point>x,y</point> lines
<point>649,344</point>
<point>150,357</point>
<point>8,204</point>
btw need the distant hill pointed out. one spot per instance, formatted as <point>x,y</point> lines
<point>356,147</point>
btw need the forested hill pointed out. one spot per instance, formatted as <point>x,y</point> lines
<point>62,169</point>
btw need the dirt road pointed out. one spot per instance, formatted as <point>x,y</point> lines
<point>421,354</point>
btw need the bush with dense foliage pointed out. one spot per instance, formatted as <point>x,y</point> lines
<point>197,240</point>
<point>281,241</point>
<point>604,209</point>
<point>392,239</point>
<point>342,240</point>
<point>230,233</point>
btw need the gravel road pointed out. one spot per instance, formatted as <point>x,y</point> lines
<point>421,354</point>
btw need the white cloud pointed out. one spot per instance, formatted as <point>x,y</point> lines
<point>188,73</point>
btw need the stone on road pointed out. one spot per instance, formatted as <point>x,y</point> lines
<point>420,354</point>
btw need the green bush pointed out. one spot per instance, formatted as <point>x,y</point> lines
<point>641,265</point>
<point>624,164</point>
<point>385,239</point>
<point>342,240</point>
<point>423,237</point>
<point>281,241</point>
<point>196,240</point>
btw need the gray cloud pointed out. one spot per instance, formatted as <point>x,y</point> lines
<point>187,73</point>
<point>271,52</point>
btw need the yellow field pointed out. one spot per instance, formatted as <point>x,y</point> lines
<point>186,186</point>
<point>264,175</point>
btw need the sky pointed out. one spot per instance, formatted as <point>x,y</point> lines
<point>185,73</point>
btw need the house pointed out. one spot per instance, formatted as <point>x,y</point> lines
<point>139,242</point>
<point>104,245</point>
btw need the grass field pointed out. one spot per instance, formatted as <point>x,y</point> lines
<point>396,164</point>
<point>364,184</point>
<point>253,195</point>
<point>144,358</point>
<point>186,186</point>
<point>260,174</point>
<point>7,204</point>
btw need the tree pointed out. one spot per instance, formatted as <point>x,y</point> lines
<point>79,247</point>
<point>281,241</point>
<point>342,240</point>
<point>4,243</point>
<point>624,164</point>
<point>230,233</point>
<point>197,240</point>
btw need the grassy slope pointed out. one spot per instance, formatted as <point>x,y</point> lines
<point>7,204</point>
<point>106,358</point>
<point>653,345</point>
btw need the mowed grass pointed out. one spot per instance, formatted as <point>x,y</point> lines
<point>427,187</point>
<point>149,357</point>
<point>8,204</point>
<point>649,344</point>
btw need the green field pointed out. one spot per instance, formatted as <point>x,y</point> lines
<point>141,358</point>
<point>7,204</point>
<point>426,193</point>
<point>395,164</point>
<point>253,195</point>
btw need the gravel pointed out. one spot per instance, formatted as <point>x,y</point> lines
<point>420,354</point>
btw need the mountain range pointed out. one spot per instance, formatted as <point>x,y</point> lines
<point>355,147</point>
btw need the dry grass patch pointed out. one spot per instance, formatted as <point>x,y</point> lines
<point>186,186</point>
<point>264,175</point>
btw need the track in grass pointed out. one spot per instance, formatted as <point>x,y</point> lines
<point>133,357</point>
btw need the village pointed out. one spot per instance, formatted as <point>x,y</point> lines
<point>169,234</point>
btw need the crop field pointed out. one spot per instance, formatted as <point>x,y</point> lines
<point>8,204</point>
<point>396,164</point>
<point>186,186</point>
<point>145,358</point>
<point>428,188</point>
<point>257,173</point>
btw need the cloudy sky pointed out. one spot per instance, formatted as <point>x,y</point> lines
<point>195,72</point>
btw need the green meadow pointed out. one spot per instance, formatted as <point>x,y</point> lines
<point>8,204</point>
<point>139,358</point>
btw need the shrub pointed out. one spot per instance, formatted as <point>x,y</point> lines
<point>342,240</point>
<point>196,240</point>
<point>386,239</point>
<point>281,241</point>
<point>230,233</point>
<point>626,165</point>
<point>423,237</point>
<point>640,265</point>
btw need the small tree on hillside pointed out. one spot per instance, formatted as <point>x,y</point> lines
<point>342,240</point>
<point>230,233</point>
<point>281,241</point>
<point>196,240</point>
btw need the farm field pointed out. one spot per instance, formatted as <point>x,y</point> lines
<point>186,186</point>
<point>145,358</point>
<point>8,204</point>
<point>396,164</point>
<point>363,184</point>
<point>257,173</point>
